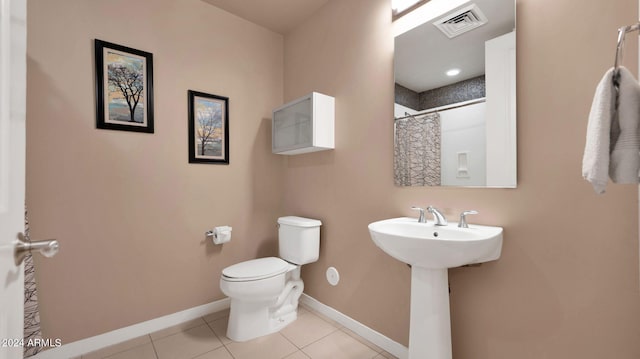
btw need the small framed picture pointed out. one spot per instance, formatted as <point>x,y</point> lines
<point>124,88</point>
<point>208,128</point>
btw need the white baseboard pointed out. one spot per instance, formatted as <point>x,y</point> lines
<point>97,342</point>
<point>384,342</point>
<point>87,345</point>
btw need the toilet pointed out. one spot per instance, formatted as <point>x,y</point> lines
<point>264,292</point>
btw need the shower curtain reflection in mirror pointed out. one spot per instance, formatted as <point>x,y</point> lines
<point>446,147</point>
<point>417,151</point>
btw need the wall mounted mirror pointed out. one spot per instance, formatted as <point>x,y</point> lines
<point>455,94</point>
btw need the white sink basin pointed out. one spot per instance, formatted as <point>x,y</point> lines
<point>431,250</point>
<point>428,246</point>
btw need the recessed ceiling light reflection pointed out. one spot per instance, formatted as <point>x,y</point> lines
<point>453,72</point>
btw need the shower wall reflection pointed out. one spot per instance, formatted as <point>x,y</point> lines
<point>446,147</point>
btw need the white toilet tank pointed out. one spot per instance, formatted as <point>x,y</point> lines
<point>299,239</point>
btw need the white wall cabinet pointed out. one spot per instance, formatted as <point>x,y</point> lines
<point>304,125</point>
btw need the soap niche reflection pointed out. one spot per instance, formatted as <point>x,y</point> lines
<point>456,130</point>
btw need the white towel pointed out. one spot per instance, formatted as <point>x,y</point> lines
<point>625,154</point>
<point>613,143</point>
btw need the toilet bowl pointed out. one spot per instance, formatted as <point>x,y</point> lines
<point>264,296</point>
<point>264,292</point>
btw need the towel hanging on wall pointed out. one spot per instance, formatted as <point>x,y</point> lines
<point>612,148</point>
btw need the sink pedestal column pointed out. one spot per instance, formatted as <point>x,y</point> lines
<point>430,324</point>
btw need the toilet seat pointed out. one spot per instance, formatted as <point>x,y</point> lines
<point>256,269</point>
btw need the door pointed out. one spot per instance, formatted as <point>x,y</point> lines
<point>12,171</point>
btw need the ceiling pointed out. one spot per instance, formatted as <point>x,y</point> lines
<point>280,16</point>
<point>424,54</point>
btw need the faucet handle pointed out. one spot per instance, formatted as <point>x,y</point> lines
<point>421,218</point>
<point>463,218</point>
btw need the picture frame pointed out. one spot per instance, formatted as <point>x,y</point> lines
<point>208,122</point>
<point>124,88</point>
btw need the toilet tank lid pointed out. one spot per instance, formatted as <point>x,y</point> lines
<point>299,221</point>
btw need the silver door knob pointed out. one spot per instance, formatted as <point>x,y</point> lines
<point>47,248</point>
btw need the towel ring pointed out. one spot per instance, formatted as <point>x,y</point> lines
<point>619,53</point>
<point>621,35</point>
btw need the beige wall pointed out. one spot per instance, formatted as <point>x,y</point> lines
<point>567,283</point>
<point>129,211</point>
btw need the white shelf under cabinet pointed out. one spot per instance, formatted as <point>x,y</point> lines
<point>304,125</point>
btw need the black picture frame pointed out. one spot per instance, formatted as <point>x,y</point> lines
<point>124,88</point>
<point>208,123</point>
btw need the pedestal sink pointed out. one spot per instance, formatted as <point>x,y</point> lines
<point>431,250</point>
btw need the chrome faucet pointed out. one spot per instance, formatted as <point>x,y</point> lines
<point>421,218</point>
<point>463,218</point>
<point>438,217</point>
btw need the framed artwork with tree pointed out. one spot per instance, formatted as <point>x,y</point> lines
<point>124,88</point>
<point>208,128</point>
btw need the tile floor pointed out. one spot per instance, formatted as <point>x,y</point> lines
<point>310,336</point>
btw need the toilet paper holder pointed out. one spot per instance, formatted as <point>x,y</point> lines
<point>211,234</point>
<point>219,235</point>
